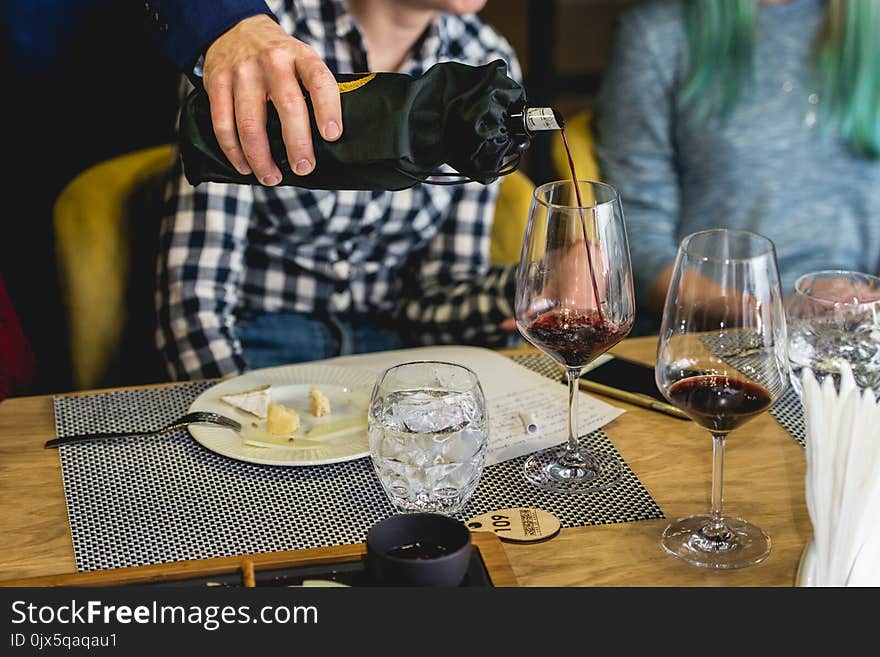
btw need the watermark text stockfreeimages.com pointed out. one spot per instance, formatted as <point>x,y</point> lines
<point>210,617</point>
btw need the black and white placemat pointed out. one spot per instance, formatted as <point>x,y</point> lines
<point>739,349</point>
<point>789,412</point>
<point>542,364</point>
<point>142,501</point>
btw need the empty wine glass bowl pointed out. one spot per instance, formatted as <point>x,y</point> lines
<point>834,317</point>
<point>428,430</point>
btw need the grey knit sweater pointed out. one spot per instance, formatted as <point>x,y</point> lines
<point>769,167</point>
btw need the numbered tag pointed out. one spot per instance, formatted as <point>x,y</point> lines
<point>521,525</point>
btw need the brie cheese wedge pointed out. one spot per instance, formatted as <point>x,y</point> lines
<point>255,402</point>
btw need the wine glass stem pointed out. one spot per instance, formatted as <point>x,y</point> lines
<point>716,526</point>
<point>574,376</point>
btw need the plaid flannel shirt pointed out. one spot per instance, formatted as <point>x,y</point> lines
<point>420,256</point>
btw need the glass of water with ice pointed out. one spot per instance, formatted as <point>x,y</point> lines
<point>428,428</point>
<point>834,316</point>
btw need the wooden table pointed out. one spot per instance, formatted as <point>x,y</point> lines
<point>763,482</point>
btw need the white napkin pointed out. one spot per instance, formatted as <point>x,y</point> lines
<point>843,480</point>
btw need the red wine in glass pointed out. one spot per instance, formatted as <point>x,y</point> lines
<point>719,403</point>
<point>574,338</point>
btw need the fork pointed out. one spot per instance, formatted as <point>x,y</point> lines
<point>198,417</point>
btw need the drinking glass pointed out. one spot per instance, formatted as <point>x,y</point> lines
<point>428,430</point>
<point>574,301</point>
<point>834,317</point>
<point>721,359</point>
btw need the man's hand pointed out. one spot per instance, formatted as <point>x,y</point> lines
<point>570,283</point>
<point>657,295</point>
<point>707,305</point>
<point>257,60</point>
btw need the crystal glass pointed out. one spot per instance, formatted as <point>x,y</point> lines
<point>428,429</point>
<point>834,317</point>
<point>574,301</point>
<point>721,359</point>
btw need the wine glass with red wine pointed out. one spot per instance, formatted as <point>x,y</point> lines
<point>721,359</point>
<point>574,301</point>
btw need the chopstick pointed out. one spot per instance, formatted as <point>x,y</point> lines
<point>247,573</point>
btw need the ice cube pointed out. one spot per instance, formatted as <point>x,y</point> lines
<point>466,446</point>
<point>430,412</point>
<point>824,346</point>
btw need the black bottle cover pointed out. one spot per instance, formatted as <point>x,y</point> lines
<point>398,130</point>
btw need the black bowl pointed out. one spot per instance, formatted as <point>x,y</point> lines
<point>418,549</point>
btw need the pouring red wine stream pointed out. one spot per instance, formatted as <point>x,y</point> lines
<point>576,336</point>
<point>577,192</point>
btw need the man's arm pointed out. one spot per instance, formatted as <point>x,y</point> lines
<point>200,266</point>
<point>249,58</point>
<point>185,29</point>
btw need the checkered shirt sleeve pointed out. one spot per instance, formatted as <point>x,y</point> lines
<point>202,245</point>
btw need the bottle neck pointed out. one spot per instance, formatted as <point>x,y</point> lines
<point>539,119</point>
<point>525,122</point>
<point>529,120</point>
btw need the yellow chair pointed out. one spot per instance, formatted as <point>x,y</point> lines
<point>106,235</point>
<point>511,213</point>
<point>580,140</point>
<point>511,217</point>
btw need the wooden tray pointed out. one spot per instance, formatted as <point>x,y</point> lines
<point>489,567</point>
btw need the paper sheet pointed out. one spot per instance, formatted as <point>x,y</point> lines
<point>509,388</point>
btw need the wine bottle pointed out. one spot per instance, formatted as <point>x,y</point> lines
<point>398,131</point>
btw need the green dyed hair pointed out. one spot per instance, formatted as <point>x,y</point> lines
<point>721,38</point>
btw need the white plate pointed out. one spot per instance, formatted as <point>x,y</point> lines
<point>348,389</point>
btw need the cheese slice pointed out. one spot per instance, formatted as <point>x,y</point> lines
<point>283,421</point>
<point>319,401</point>
<point>308,439</point>
<point>333,429</point>
<point>266,439</point>
<point>255,402</point>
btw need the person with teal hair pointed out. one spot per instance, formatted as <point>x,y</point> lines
<point>750,114</point>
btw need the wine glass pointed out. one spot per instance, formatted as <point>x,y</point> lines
<point>721,359</point>
<point>574,301</point>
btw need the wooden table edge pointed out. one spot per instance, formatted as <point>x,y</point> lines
<point>487,544</point>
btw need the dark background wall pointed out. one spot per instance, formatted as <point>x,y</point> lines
<point>563,46</point>
<point>85,83</point>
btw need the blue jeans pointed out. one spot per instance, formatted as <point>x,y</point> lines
<point>281,339</point>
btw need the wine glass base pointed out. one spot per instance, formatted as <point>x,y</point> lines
<point>738,545</point>
<point>559,471</point>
